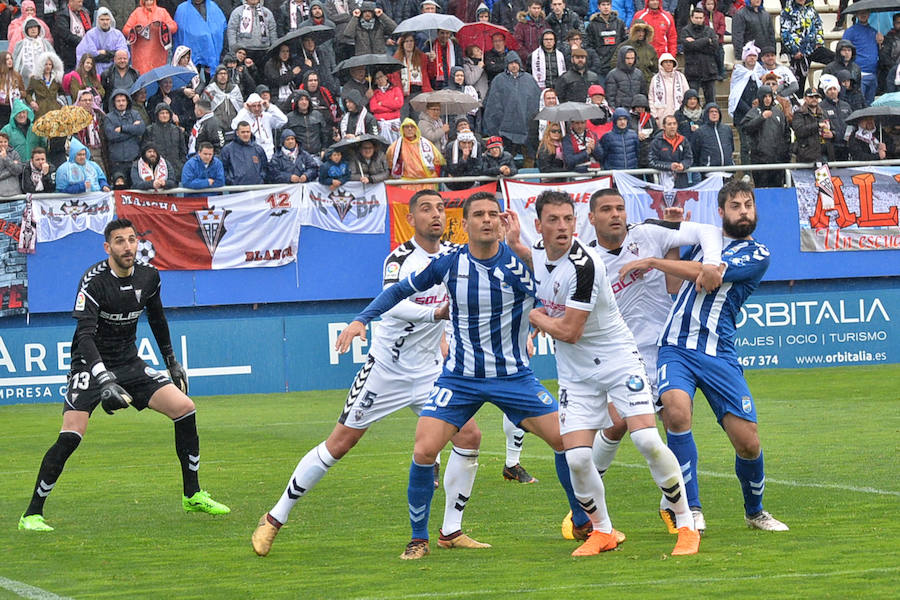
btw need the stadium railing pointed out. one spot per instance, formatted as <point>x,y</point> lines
<point>787,167</point>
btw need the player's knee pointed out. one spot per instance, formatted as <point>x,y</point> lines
<point>748,448</point>
<point>677,417</point>
<point>468,437</point>
<point>616,432</point>
<point>648,442</point>
<point>579,460</point>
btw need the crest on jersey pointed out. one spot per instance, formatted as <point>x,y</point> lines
<point>555,288</point>
<point>545,397</point>
<point>137,295</point>
<point>80,301</point>
<point>746,404</point>
<point>633,248</point>
<point>635,383</point>
<point>212,226</point>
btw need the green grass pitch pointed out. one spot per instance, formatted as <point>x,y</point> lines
<point>831,446</point>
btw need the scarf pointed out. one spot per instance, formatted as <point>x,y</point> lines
<point>426,155</point>
<point>195,131</point>
<point>292,154</point>
<point>643,121</point>
<point>299,11</point>
<point>867,136</point>
<point>410,75</point>
<point>539,65</point>
<point>897,78</point>
<point>692,114</point>
<point>147,173</point>
<point>441,54</point>
<point>90,135</point>
<point>9,91</point>
<point>740,77</point>
<point>360,128</point>
<point>249,16</point>
<point>79,23</point>
<point>37,178</point>
<point>667,89</point>
<point>579,143</point>
<point>284,91</point>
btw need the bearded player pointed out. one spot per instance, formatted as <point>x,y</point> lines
<point>107,370</point>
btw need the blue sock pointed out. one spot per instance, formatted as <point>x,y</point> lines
<point>685,450</point>
<point>752,475</point>
<point>579,517</point>
<point>419,494</point>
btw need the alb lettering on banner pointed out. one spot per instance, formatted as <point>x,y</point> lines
<point>58,218</point>
<point>352,208</point>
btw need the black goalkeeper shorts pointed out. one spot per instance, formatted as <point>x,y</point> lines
<point>137,377</point>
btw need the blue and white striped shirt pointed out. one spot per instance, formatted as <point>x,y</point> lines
<point>706,322</point>
<point>489,305</point>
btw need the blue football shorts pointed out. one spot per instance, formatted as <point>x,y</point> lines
<point>721,380</point>
<point>455,399</point>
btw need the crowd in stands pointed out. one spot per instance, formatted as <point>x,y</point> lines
<point>256,111</point>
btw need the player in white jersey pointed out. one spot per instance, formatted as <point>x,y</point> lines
<point>400,371</point>
<point>697,351</point>
<point>598,364</point>
<point>644,298</point>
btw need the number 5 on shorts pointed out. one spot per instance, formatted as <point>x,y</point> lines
<point>439,397</point>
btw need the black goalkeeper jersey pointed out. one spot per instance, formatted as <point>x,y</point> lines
<point>108,307</point>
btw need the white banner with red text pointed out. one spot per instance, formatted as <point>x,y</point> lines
<point>648,201</point>
<point>58,218</point>
<point>351,208</point>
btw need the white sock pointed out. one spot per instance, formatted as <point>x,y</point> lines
<point>310,470</point>
<point>588,487</point>
<point>666,473</point>
<point>604,451</point>
<point>514,438</point>
<point>459,477</point>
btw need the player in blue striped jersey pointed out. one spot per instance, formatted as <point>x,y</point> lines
<point>697,350</point>
<point>491,294</point>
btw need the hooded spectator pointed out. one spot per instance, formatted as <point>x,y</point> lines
<point>119,9</point>
<point>667,88</point>
<point>767,130</point>
<point>80,174</point>
<point>866,40</point>
<point>812,132</point>
<point>183,57</point>
<point>714,142</point>
<point>745,83</point>
<point>121,75</point>
<point>149,48</point>
<point>251,26</point>
<point>625,80</point>
<point>368,29</point>
<point>45,87</point>
<point>201,27</point>
<point>10,168</point>
<point>29,49</point>
<point>581,149</point>
<point>620,147</point>
<point>605,32</point>
<point>334,171</point>
<point>414,157</point>
<point>38,175</point>
<point>752,24</point>
<point>182,107</point>
<point>463,160</point>
<point>665,34</point>
<point>293,13</point>
<point>124,128</point>
<point>845,60</point>
<point>511,103</point>
<point>690,115</point>
<point>357,120</point>
<point>836,111</point>
<point>645,126</point>
<point>102,41</point>
<point>671,154</point>
<point>264,118</point>
<point>70,23</point>
<point>290,163</point>
<point>641,39</point>
<point>368,164</point>
<point>312,132</point>
<point>12,86</point>
<point>203,169</point>
<point>92,135</point>
<point>530,27</point>
<point>850,90</point>
<point>282,74</point>
<point>313,57</point>
<point>18,131</point>
<point>224,96</point>
<point>547,63</point>
<point>245,161</point>
<point>701,47</point>
<point>168,139</point>
<point>151,171</point>
<point>17,26</point>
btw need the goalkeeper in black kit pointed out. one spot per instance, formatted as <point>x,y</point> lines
<point>107,370</point>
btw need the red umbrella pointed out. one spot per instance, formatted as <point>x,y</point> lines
<point>480,34</point>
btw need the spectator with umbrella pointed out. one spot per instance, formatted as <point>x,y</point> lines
<point>474,69</point>
<point>251,26</point>
<point>282,73</point>
<point>864,144</point>
<point>91,134</point>
<point>413,78</point>
<point>549,152</point>
<point>181,108</point>
<point>368,164</point>
<point>315,57</point>
<point>149,32</point>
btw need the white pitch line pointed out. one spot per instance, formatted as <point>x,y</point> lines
<point>692,581</point>
<point>28,591</point>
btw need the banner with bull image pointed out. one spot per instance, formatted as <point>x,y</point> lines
<point>856,210</point>
<point>260,228</point>
<point>351,208</point>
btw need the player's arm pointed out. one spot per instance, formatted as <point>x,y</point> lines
<point>674,232</point>
<point>406,309</point>
<point>567,328</point>
<point>387,299</point>
<point>514,238</point>
<point>749,264</point>
<point>156,317</point>
<point>687,270</point>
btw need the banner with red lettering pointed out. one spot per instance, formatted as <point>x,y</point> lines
<point>648,201</point>
<point>253,229</point>
<point>398,197</point>
<point>520,197</point>
<point>859,211</point>
<point>13,265</point>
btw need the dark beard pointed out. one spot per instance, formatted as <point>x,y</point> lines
<point>738,230</point>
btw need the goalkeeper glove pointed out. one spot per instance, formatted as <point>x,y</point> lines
<point>177,373</point>
<point>113,396</point>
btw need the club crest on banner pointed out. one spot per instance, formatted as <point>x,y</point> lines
<point>212,226</point>
<point>352,208</point>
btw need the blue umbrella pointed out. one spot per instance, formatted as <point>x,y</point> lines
<point>181,76</point>
<point>891,99</point>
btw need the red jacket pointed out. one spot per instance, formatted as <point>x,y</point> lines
<point>528,33</point>
<point>665,36</point>
<point>386,105</point>
<point>718,23</point>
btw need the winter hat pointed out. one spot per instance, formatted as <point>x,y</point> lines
<point>750,49</point>
<point>262,88</point>
<point>826,82</point>
<point>579,52</point>
<point>466,136</point>
<point>482,8</point>
<point>512,57</point>
<point>494,142</point>
<point>843,75</point>
<point>429,3</point>
<point>596,89</point>
<point>767,50</point>
<point>252,98</point>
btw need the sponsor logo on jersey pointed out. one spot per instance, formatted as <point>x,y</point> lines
<point>545,398</point>
<point>635,383</point>
<point>80,301</point>
<point>132,316</point>
<point>746,404</point>
<point>392,268</point>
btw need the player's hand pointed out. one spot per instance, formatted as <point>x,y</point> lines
<point>442,312</point>
<point>639,266</point>
<point>354,329</point>
<point>113,396</point>
<point>675,214</point>
<point>709,279</point>
<point>534,317</point>
<point>177,373</point>
<point>513,227</point>
<point>529,343</point>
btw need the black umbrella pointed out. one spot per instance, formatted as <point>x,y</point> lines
<point>886,115</point>
<point>372,63</point>
<point>354,142</point>
<point>873,6</point>
<point>570,111</point>
<point>321,33</point>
